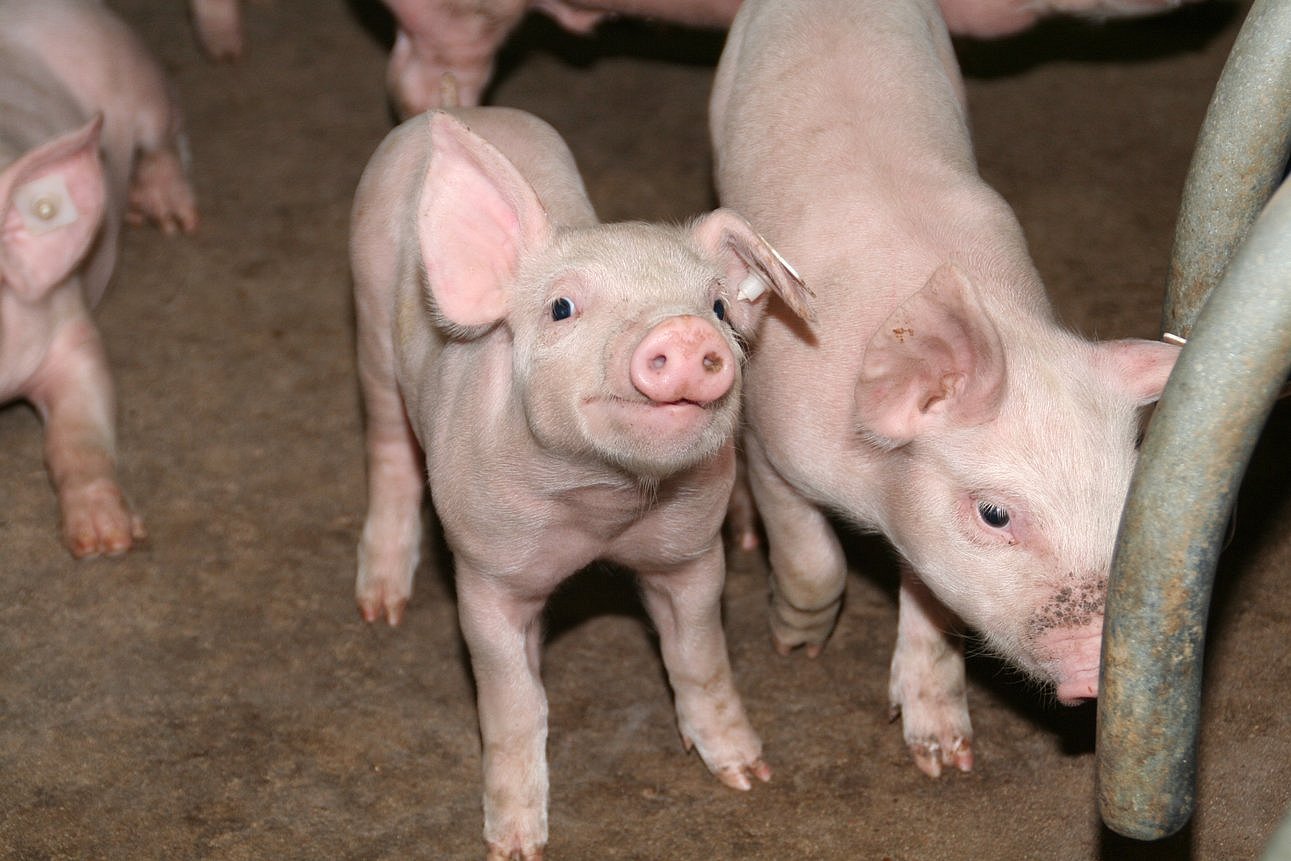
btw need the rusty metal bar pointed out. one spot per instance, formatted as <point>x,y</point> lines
<point>1239,160</point>
<point>1191,464</point>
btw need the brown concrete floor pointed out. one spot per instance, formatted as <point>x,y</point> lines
<point>214,695</point>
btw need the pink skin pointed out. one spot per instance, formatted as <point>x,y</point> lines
<point>936,400</point>
<point>683,360</point>
<point>87,110</point>
<point>525,385</point>
<point>438,38</point>
<point>219,27</point>
<point>1076,650</point>
<point>993,18</point>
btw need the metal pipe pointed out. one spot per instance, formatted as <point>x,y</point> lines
<point>1279,846</point>
<point>1191,464</point>
<point>1239,160</point>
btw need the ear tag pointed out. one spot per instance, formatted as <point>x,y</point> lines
<point>785,263</point>
<point>45,204</point>
<point>751,288</point>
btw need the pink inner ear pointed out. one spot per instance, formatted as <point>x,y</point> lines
<point>1139,367</point>
<point>476,219</point>
<point>936,360</point>
<point>47,233</point>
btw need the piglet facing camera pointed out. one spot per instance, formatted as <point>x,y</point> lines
<point>574,388</point>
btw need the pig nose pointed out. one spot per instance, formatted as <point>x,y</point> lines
<point>683,359</point>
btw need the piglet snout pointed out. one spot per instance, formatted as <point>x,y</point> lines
<point>683,359</point>
<point>1076,654</point>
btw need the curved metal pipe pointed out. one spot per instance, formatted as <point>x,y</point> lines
<point>1239,160</point>
<point>1189,470</point>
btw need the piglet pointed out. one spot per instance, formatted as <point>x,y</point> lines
<point>993,18</point>
<point>936,400</point>
<point>438,37</point>
<point>575,388</point>
<point>89,135</point>
<point>434,37</point>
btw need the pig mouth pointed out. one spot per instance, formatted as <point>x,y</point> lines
<point>672,409</point>
<point>667,419</point>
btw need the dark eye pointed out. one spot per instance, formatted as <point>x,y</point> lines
<point>993,515</point>
<point>719,308</point>
<point>562,308</point>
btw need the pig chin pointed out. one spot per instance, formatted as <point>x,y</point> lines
<point>653,439</point>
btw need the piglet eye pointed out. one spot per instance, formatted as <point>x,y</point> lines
<point>562,308</point>
<point>993,515</point>
<point>719,308</point>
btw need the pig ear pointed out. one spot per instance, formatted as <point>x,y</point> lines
<point>752,266</point>
<point>936,360</point>
<point>52,201</point>
<point>476,219</point>
<point>1137,367</point>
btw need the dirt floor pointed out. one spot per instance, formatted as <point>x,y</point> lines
<point>214,695</point>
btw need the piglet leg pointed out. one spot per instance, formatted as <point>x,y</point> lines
<point>160,192</point>
<point>685,605</point>
<point>808,568</point>
<point>438,37</point>
<point>503,634</point>
<point>73,393</point>
<point>391,543</point>
<point>928,687</point>
<point>219,27</point>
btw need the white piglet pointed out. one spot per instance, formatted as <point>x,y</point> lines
<point>936,400</point>
<point>89,137</point>
<point>574,387</point>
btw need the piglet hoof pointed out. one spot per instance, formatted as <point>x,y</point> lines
<point>742,526</point>
<point>741,776</point>
<point>373,608</point>
<point>503,853</point>
<point>785,643</point>
<point>160,193</point>
<point>792,626</point>
<point>98,521</point>
<point>737,775</point>
<point>931,753</point>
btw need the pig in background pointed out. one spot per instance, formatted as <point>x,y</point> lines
<point>89,135</point>
<point>572,391</point>
<point>936,399</point>
<point>438,37</point>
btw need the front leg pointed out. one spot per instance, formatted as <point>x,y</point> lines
<point>503,634</point>
<point>438,38</point>
<point>808,567</point>
<point>73,393</point>
<point>928,687</point>
<point>685,605</point>
<point>159,190</point>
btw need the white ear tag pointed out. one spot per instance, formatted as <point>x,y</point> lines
<point>45,204</point>
<point>751,288</point>
<point>785,263</point>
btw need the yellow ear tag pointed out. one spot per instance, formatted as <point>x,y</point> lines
<point>45,204</point>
